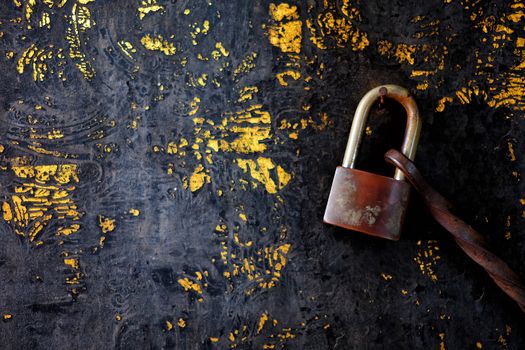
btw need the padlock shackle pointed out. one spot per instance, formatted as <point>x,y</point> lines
<point>412,130</point>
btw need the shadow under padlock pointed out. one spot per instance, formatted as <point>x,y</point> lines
<point>367,202</point>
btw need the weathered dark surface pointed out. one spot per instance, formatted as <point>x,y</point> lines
<point>220,243</point>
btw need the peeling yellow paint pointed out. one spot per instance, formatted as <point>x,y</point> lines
<point>336,27</point>
<point>262,321</point>
<point>189,285</point>
<point>149,6</point>
<point>80,22</point>
<point>106,224</point>
<point>247,65</point>
<point>73,263</point>
<point>127,48</point>
<point>158,43</point>
<point>247,93</point>
<point>260,171</point>
<point>441,103</point>
<point>283,11</point>
<point>290,73</point>
<point>194,104</point>
<point>198,178</point>
<point>35,204</point>
<point>37,59</point>
<point>286,36</point>
<point>220,51</point>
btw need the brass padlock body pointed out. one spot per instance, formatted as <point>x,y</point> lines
<point>367,202</point>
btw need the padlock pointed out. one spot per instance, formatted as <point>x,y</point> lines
<point>367,202</point>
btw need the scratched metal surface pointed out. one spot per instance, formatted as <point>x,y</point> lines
<point>165,166</point>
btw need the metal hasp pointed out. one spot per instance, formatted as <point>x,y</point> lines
<point>367,202</point>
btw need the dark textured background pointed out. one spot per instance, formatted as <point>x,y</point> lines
<point>226,250</point>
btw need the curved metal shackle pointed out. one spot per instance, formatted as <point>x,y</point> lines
<point>413,127</point>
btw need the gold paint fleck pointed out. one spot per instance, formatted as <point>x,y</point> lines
<point>442,341</point>
<point>386,276</point>
<point>512,154</point>
<point>427,258</point>
<point>73,263</point>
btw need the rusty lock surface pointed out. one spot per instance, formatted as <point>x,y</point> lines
<point>367,202</point>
